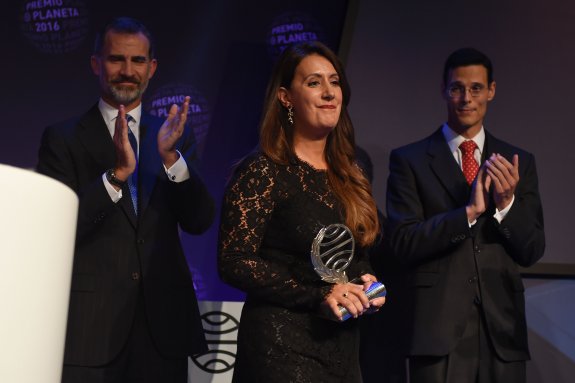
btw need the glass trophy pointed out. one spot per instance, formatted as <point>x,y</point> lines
<point>331,253</point>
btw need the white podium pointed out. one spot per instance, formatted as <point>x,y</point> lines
<point>37,233</point>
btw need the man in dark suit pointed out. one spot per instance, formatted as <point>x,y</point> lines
<point>133,313</point>
<point>463,229</point>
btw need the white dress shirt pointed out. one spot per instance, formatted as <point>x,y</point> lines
<point>454,140</point>
<point>178,172</point>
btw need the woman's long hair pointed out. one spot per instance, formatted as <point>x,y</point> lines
<point>346,179</point>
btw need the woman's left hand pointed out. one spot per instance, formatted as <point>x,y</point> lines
<point>374,304</point>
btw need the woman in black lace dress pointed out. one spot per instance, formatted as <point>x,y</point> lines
<point>302,179</point>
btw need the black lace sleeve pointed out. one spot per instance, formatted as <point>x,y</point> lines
<point>248,207</point>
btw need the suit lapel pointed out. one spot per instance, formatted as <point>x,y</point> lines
<point>446,169</point>
<point>95,137</point>
<point>493,145</point>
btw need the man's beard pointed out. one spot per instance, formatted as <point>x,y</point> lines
<point>126,95</point>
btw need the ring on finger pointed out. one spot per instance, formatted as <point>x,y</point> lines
<point>345,294</point>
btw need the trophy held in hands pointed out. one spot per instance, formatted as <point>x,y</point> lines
<point>331,253</point>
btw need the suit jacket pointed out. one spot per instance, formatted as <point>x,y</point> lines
<point>451,265</point>
<point>119,255</point>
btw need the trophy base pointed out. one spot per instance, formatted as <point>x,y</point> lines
<point>376,290</point>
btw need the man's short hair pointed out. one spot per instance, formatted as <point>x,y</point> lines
<point>466,57</point>
<point>124,25</point>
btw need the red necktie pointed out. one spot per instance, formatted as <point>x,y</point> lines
<point>469,166</point>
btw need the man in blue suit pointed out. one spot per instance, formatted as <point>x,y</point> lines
<point>133,313</point>
<point>463,213</point>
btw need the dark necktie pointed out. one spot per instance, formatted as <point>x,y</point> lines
<point>469,165</point>
<point>133,178</point>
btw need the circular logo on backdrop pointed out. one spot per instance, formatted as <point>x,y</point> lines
<point>199,114</point>
<point>220,329</point>
<point>291,28</point>
<point>54,26</point>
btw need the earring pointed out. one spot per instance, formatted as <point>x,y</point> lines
<point>290,114</point>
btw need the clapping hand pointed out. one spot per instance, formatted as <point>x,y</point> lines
<point>171,131</point>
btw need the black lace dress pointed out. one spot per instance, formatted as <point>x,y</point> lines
<point>270,216</point>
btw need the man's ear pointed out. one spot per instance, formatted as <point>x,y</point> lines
<point>491,91</point>
<point>153,67</point>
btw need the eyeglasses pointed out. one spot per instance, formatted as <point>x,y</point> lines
<point>457,91</point>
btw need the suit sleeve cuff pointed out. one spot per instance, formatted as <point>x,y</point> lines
<point>178,172</point>
<point>115,195</point>
<point>500,215</point>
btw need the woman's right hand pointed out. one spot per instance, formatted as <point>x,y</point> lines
<point>349,295</point>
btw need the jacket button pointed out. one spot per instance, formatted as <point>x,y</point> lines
<point>135,276</point>
<point>140,241</point>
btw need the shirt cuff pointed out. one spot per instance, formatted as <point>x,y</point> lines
<point>178,172</point>
<point>114,194</point>
<point>500,215</point>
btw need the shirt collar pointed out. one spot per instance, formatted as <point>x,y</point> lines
<point>109,113</point>
<point>454,139</point>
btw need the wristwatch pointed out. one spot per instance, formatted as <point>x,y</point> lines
<point>111,177</point>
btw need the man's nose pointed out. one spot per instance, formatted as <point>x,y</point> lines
<point>466,97</point>
<point>127,69</point>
